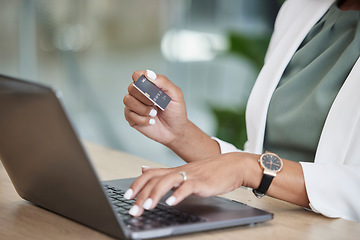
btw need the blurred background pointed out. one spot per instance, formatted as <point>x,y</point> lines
<point>88,50</point>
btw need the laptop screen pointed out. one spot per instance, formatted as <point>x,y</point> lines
<point>44,158</point>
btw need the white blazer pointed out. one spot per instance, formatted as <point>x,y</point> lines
<point>333,180</point>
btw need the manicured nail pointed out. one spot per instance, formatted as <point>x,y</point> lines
<point>152,121</point>
<point>147,204</point>
<point>152,113</point>
<point>170,201</point>
<point>128,194</point>
<point>134,210</point>
<point>144,168</point>
<point>151,75</point>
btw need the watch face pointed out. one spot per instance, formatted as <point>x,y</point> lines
<point>271,162</point>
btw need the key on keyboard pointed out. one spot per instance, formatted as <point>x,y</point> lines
<point>158,217</point>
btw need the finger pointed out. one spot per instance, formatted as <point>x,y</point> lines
<point>162,82</point>
<point>145,168</point>
<point>133,91</point>
<point>136,210</point>
<point>181,193</point>
<point>137,74</point>
<point>168,87</point>
<point>141,181</point>
<point>135,119</point>
<point>136,106</point>
<point>149,74</point>
<point>143,199</point>
<point>157,188</point>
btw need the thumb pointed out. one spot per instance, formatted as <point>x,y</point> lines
<point>161,82</point>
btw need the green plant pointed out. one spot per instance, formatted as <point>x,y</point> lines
<point>252,48</point>
<point>231,125</point>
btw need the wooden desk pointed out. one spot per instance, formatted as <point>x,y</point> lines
<point>21,220</point>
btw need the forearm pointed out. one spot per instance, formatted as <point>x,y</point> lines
<point>288,185</point>
<point>193,144</point>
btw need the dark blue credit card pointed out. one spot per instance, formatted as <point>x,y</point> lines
<point>152,92</point>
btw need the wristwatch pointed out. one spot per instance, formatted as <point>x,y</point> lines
<point>271,164</point>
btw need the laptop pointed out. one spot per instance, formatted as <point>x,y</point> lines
<point>49,167</point>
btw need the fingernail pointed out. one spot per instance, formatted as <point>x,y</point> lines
<point>152,121</point>
<point>128,194</point>
<point>151,75</point>
<point>152,113</point>
<point>144,168</point>
<point>147,204</point>
<point>170,201</point>
<point>134,210</point>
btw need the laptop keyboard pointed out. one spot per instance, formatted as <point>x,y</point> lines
<point>156,218</point>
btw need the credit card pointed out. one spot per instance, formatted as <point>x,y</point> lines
<point>152,92</point>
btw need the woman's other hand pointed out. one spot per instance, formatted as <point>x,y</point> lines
<point>204,178</point>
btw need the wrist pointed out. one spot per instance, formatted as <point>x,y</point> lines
<point>192,144</point>
<point>181,137</point>
<point>251,171</point>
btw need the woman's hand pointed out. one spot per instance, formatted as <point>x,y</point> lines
<point>170,127</point>
<point>204,178</point>
<point>161,126</point>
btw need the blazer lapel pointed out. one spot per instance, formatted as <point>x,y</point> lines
<point>289,36</point>
<point>341,121</point>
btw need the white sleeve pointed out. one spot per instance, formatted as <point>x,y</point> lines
<point>226,147</point>
<point>333,189</point>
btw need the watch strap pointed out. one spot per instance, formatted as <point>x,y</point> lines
<point>264,185</point>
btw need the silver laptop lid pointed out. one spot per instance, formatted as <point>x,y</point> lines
<point>45,160</point>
